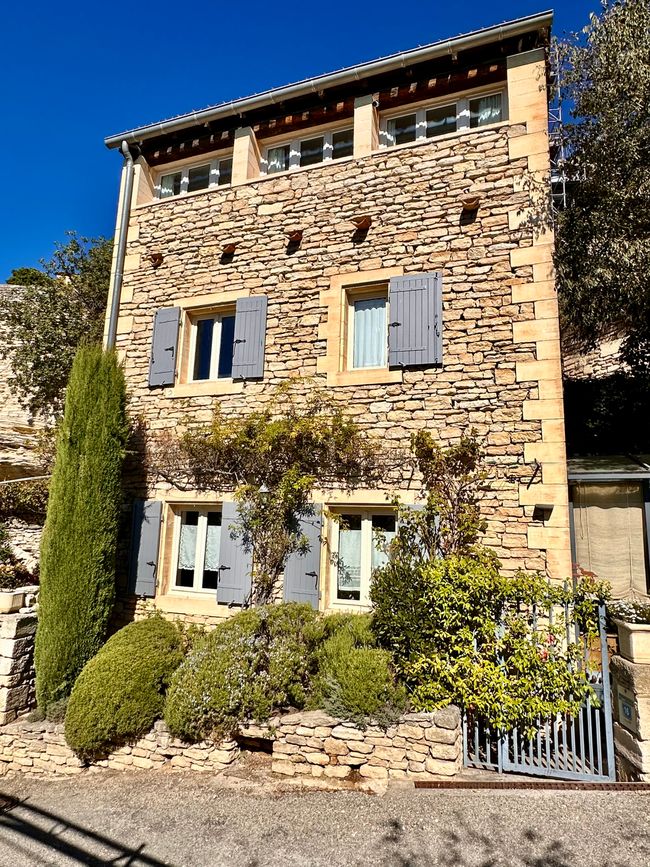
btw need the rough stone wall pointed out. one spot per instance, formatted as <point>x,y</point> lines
<point>631,693</point>
<point>25,541</point>
<point>421,747</point>
<point>597,363</point>
<point>40,748</point>
<point>17,431</point>
<point>17,677</point>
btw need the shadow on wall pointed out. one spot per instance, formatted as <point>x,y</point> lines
<point>607,416</point>
<point>60,840</point>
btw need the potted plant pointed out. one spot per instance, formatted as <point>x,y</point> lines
<point>632,621</point>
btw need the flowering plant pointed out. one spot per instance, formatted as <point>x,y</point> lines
<point>629,611</point>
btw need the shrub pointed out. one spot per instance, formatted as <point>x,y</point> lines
<point>257,661</point>
<point>120,692</point>
<point>461,632</point>
<point>355,680</point>
<point>80,535</point>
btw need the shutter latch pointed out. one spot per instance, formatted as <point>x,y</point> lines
<point>394,324</point>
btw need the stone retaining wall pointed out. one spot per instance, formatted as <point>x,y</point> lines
<point>17,678</point>
<point>421,747</point>
<point>631,708</point>
<point>40,748</point>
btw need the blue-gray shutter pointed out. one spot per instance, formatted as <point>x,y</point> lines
<point>250,338</point>
<point>145,539</point>
<point>234,585</point>
<point>415,324</point>
<point>302,571</point>
<point>164,344</point>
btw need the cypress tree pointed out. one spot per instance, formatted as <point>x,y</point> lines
<point>80,535</point>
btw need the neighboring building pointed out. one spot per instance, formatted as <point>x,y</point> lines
<point>440,315</point>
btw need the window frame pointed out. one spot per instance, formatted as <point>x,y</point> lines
<point>366,514</point>
<point>215,171</point>
<point>363,293</point>
<point>194,318</point>
<point>201,535</point>
<point>420,110</point>
<point>294,145</point>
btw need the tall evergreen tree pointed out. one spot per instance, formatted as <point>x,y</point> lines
<point>81,528</point>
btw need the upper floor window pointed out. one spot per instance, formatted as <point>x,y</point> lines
<point>331,145</point>
<point>188,179</point>
<point>368,331</point>
<point>428,122</point>
<point>212,346</point>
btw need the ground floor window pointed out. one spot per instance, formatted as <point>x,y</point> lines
<point>357,551</point>
<point>610,534</point>
<point>199,537</point>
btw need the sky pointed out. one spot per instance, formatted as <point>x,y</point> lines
<point>73,73</point>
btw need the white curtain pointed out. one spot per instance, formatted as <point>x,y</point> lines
<point>187,546</point>
<point>277,159</point>
<point>488,109</point>
<point>370,333</point>
<point>609,535</point>
<point>349,571</point>
<point>212,541</point>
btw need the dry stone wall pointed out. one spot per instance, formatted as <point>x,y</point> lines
<point>413,196</point>
<point>17,677</point>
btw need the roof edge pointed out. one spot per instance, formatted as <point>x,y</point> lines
<point>348,74</point>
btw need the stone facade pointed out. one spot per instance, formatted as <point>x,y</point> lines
<point>40,748</point>
<point>631,708</point>
<point>501,366</point>
<point>17,678</point>
<point>422,746</point>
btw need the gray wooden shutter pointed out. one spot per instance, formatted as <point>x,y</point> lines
<point>235,568</point>
<point>145,539</point>
<point>164,343</point>
<point>302,571</point>
<point>250,338</point>
<point>415,324</point>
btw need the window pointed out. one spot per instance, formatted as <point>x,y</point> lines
<point>333,145</point>
<point>360,548</point>
<point>213,345</point>
<point>428,122</point>
<point>485,110</point>
<point>367,328</point>
<point>199,538</point>
<point>191,178</point>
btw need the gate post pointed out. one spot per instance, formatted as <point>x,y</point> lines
<point>631,691</point>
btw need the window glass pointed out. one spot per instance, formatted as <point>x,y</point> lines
<point>225,172</point>
<point>342,144</point>
<point>170,185</point>
<point>187,549</point>
<point>198,178</point>
<point>484,110</point>
<point>226,346</point>
<point>349,558</point>
<point>311,151</point>
<point>369,333</point>
<point>203,348</point>
<point>402,129</point>
<point>277,159</point>
<point>211,561</point>
<point>441,120</point>
<point>383,533</point>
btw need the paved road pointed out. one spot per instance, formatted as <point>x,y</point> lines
<point>149,819</point>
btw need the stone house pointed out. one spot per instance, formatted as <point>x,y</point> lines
<point>372,229</point>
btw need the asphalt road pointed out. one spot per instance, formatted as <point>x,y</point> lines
<point>155,818</point>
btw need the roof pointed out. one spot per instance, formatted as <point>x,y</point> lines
<point>475,38</point>
<point>609,468</point>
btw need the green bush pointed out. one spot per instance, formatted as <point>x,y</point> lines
<point>80,537</point>
<point>120,692</point>
<point>256,662</point>
<point>459,631</point>
<point>355,680</point>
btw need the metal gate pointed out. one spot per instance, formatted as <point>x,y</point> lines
<point>569,748</point>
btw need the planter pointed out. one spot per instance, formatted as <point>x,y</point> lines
<point>11,600</point>
<point>634,641</point>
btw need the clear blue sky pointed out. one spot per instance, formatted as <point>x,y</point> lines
<point>74,72</point>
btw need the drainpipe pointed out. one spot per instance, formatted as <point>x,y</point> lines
<point>118,274</point>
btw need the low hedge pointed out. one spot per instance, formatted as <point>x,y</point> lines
<point>256,662</point>
<point>120,691</point>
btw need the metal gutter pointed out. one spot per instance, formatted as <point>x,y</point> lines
<point>350,74</point>
<point>118,274</point>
